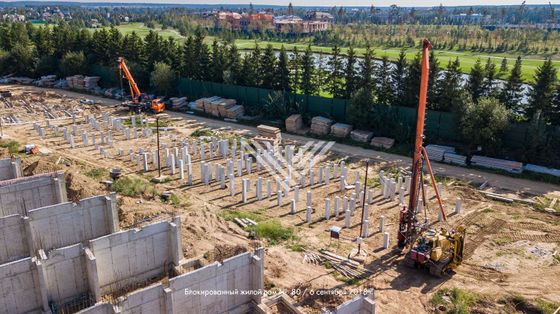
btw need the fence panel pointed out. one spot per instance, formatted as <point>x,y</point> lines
<point>320,106</point>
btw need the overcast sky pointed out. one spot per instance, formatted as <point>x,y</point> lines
<point>329,3</point>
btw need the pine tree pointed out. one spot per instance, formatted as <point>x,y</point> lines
<point>384,84</point>
<point>254,59</point>
<point>295,71</point>
<point>308,85</point>
<point>435,72</point>
<point>412,82</point>
<point>488,86</point>
<point>350,74</point>
<point>218,63</point>
<point>503,67</point>
<point>334,79</point>
<point>542,90</point>
<point>188,68</point>
<point>555,114</point>
<point>476,81</point>
<point>398,76</point>
<point>512,93</point>
<point>233,66</point>
<point>282,75</point>
<point>449,92</point>
<point>267,68</point>
<point>367,70</point>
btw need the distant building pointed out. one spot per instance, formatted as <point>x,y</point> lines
<point>291,24</point>
<point>319,16</point>
<point>13,17</point>
<point>259,22</point>
<point>247,21</point>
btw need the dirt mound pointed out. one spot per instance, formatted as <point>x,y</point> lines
<point>224,251</point>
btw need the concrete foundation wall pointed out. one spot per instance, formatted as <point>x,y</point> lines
<point>65,273</point>
<point>359,305</point>
<point>10,168</point>
<point>100,308</point>
<point>150,300</point>
<point>129,257</point>
<point>65,224</point>
<point>19,196</point>
<point>20,290</point>
<point>13,239</point>
<point>243,272</point>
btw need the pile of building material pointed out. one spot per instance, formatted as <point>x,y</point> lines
<point>382,142</point>
<point>541,169</point>
<point>75,82</point>
<point>90,82</point>
<point>494,163</point>
<point>455,159</point>
<point>345,266</point>
<point>244,222</point>
<point>178,103</point>
<point>220,107</point>
<point>234,112</point>
<point>361,136</point>
<point>46,81</point>
<point>294,123</point>
<point>341,130</point>
<point>436,152</point>
<point>268,134</point>
<point>321,126</point>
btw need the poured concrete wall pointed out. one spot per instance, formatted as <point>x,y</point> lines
<point>100,308</point>
<point>359,305</point>
<point>19,196</point>
<point>129,257</point>
<point>243,273</point>
<point>13,239</point>
<point>57,226</point>
<point>64,224</point>
<point>20,290</point>
<point>10,168</point>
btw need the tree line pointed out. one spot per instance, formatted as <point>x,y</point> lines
<point>66,50</point>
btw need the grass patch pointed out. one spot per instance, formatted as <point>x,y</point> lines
<point>134,186</point>
<point>457,301</point>
<point>273,231</point>
<point>545,306</point>
<point>297,247</point>
<point>202,132</point>
<point>11,145</point>
<point>96,173</point>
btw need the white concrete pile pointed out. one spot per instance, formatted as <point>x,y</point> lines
<point>75,82</point>
<point>341,130</point>
<point>436,152</point>
<point>90,82</point>
<point>361,136</point>
<point>382,142</point>
<point>494,163</point>
<point>294,123</point>
<point>455,159</point>
<point>46,81</point>
<point>178,103</point>
<point>268,134</point>
<point>321,126</point>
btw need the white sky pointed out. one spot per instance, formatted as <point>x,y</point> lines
<point>329,3</point>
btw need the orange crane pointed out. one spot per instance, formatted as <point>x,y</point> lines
<point>139,101</point>
<point>438,250</point>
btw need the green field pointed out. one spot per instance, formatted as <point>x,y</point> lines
<point>467,59</point>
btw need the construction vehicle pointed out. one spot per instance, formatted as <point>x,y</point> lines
<point>439,250</point>
<point>139,102</point>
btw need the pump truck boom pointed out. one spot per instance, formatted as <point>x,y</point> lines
<point>437,250</point>
<point>139,101</point>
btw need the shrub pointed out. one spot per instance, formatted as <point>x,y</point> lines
<point>273,231</point>
<point>133,186</point>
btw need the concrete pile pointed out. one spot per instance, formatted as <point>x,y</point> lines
<point>321,126</point>
<point>382,142</point>
<point>294,123</point>
<point>90,82</point>
<point>268,134</point>
<point>361,136</point>
<point>341,130</point>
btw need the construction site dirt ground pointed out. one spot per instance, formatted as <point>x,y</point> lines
<point>512,249</point>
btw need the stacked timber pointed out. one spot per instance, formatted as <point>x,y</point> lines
<point>46,81</point>
<point>90,82</point>
<point>361,136</point>
<point>234,112</point>
<point>219,107</point>
<point>494,163</point>
<point>436,152</point>
<point>321,126</point>
<point>454,159</point>
<point>268,134</point>
<point>75,82</point>
<point>341,130</point>
<point>382,142</point>
<point>200,104</point>
<point>294,123</point>
<point>178,103</point>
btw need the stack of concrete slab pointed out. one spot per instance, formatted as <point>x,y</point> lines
<point>321,126</point>
<point>494,163</point>
<point>382,142</point>
<point>46,81</point>
<point>341,130</point>
<point>75,81</point>
<point>541,169</point>
<point>294,123</point>
<point>361,136</point>
<point>454,159</point>
<point>90,82</point>
<point>234,112</point>
<point>178,103</point>
<point>268,134</point>
<point>436,152</point>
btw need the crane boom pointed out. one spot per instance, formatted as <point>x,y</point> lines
<point>134,90</point>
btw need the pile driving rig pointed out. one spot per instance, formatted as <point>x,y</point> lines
<point>139,102</point>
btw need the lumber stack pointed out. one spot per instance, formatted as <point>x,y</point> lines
<point>268,134</point>
<point>178,103</point>
<point>234,112</point>
<point>454,159</point>
<point>346,267</point>
<point>321,126</point>
<point>220,107</point>
<point>90,82</point>
<point>382,142</point>
<point>294,123</point>
<point>495,163</point>
<point>361,136</point>
<point>341,130</point>
<point>75,82</point>
<point>436,152</point>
